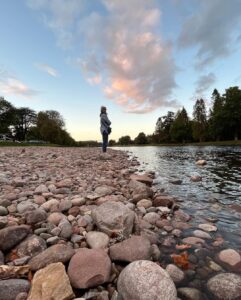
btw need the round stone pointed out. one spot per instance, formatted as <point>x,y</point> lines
<point>225,286</point>
<point>143,280</point>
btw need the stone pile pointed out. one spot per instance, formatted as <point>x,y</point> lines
<point>78,224</point>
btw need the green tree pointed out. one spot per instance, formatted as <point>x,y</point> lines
<point>232,111</point>
<point>163,126</point>
<point>181,130</point>
<point>24,119</point>
<point>125,140</point>
<point>7,116</point>
<point>112,143</point>
<point>141,139</point>
<point>216,119</point>
<point>199,124</point>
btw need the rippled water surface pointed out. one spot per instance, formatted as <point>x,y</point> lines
<point>217,196</point>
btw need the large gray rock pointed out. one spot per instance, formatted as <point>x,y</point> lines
<point>225,286</point>
<point>55,253</point>
<point>89,268</point>
<point>134,248</point>
<point>52,283</point>
<point>142,280</point>
<point>11,236</point>
<point>114,218</point>
<point>10,288</point>
<point>31,246</point>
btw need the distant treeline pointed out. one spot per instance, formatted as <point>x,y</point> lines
<point>24,124</point>
<point>222,122</point>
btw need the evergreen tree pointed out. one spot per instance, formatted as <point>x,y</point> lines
<point>180,130</point>
<point>163,125</point>
<point>232,111</point>
<point>199,125</point>
<point>216,119</point>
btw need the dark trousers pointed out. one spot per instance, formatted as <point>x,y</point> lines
<point>105,141</point>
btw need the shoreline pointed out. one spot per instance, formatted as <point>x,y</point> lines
<point>67,201</point>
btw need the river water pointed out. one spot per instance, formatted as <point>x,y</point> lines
<point>216,198</point>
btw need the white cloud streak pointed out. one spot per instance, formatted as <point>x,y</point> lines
<point>46,68</point>
<point>10,85</point>
<point>212,29</point>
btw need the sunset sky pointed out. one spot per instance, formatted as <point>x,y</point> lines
<point>140,58</point>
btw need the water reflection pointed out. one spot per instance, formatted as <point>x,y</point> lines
<point>211,197</point>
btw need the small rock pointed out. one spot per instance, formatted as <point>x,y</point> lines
<point>207,227</point>
<point>97,240</point>
<point>201,234</point>
<point>3,211</point>
<point>176,274</point>
<point>190,293</point>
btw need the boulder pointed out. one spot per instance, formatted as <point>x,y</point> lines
<point>114,218</point>
<point>134,248</point>
<point>89,268</point>
<point>145,280</point>
<point>53,254</point>
<point>52,283</point>
<point>11,236</point>
<point>225,286</point>
<point>10,288</point>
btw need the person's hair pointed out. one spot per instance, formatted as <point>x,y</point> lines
<point>103,110</point>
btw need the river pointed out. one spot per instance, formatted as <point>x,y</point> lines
<point>216,198</point>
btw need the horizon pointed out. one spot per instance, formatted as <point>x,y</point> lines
<point>75,56</point>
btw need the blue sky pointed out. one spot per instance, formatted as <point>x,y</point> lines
<point>139,58</point>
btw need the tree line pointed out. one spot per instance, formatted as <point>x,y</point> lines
<point>25,124</point>
<point>221,122</point>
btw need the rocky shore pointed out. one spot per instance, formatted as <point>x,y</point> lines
<point>79,224</point>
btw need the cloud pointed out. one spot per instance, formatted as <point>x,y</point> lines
<point>119,49</point>
<point>204,83</point>
<point>60,16</point>
<point>9,85</point>
<point>213,30</point>
<point>46,68</point>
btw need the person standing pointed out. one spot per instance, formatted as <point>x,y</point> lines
<point>104,127</point>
